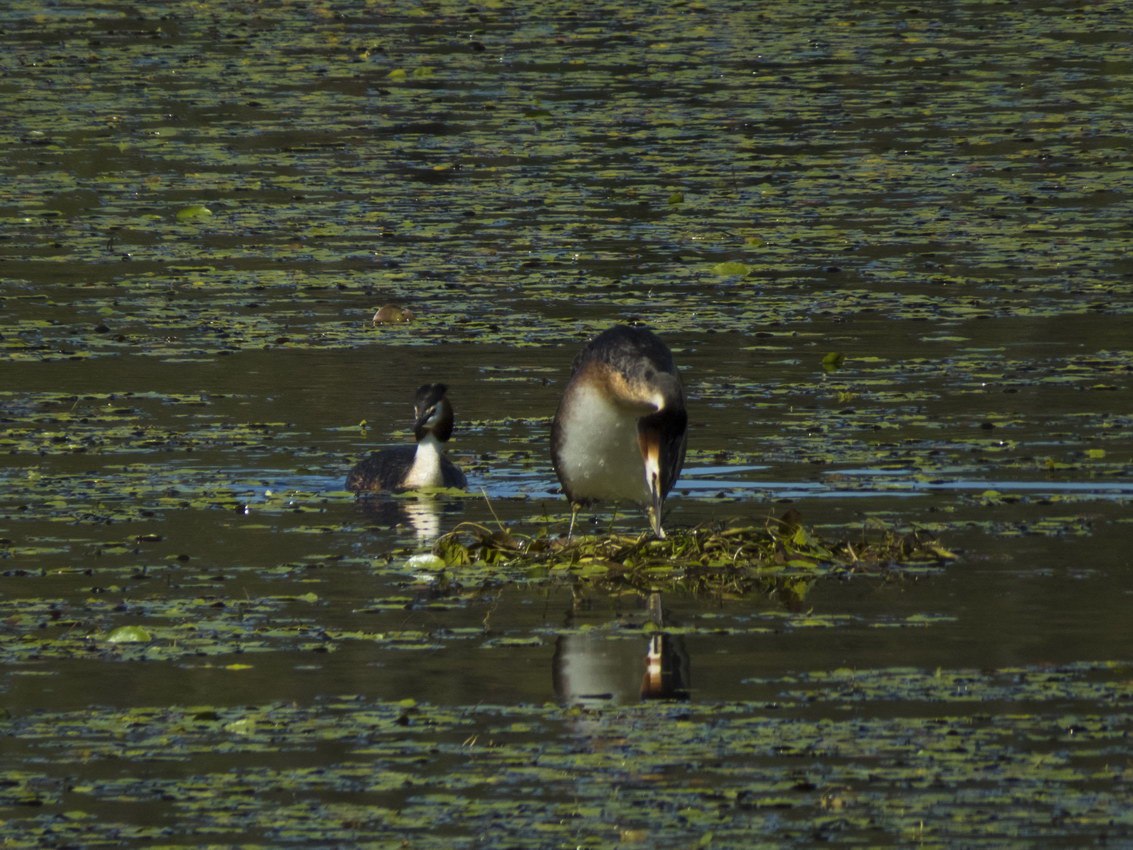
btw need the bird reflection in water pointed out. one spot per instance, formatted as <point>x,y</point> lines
<point>594,668</point>
<point>423,513</point>
<point>666,662</point>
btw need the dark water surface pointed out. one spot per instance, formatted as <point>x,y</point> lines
<point>202,205</point>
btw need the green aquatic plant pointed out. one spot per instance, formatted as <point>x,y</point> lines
<point>781,554</point>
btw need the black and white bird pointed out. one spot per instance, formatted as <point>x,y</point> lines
<point>621,428</point>
<point>414,467</point>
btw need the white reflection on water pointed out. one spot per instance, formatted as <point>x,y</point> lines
<point>861,482</point>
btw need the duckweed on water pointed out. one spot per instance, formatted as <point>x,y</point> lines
<point>783,764</point>
<point>192,183</point>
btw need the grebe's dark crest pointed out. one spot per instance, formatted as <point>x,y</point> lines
<point>414,467</point>
<point>621,428</point>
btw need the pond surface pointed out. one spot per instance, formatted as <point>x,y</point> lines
<point>203,205</point>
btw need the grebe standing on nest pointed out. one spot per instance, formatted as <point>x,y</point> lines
<point>414,467</point>
<point>621,428</point>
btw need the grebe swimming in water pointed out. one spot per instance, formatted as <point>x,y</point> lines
<point>414,467</point>
<point>621,428</point>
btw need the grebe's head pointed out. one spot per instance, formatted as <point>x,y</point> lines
<point>433,412</point>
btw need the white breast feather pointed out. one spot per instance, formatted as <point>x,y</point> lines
<point>426,469</point>
<point>600,457</point>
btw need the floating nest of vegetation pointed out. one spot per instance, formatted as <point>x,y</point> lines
<point>781,555</point>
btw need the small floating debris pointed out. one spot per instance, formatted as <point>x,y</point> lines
<point>129,634</point>
<point>391,314</point>
<point>193,211</point>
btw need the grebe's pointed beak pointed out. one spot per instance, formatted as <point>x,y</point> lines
<point>650,441</point>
